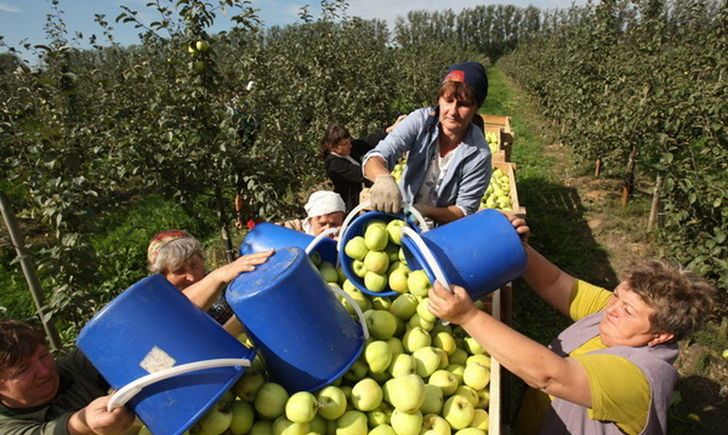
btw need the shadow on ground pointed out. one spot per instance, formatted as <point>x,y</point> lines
<point>694,416</point>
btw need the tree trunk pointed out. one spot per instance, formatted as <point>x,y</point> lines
<point>628,186</point>
<point>224,233</point>
<point>655,204</point>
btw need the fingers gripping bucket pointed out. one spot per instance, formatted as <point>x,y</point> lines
<point>480,252</point>
<point>265,236</point>
<point>166,357</point>
<point>305,335</point>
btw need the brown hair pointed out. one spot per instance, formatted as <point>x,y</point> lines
<point>18,342</point>
<point>334,134</point>
<point>681,299</point>
<point>462,92</point>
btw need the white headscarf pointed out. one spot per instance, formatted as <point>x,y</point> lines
<point>324,202</point>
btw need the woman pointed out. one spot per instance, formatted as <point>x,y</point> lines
<point>324,210</point>
<point>611,371</point>
<point>178,256</point>
<point>448,165</point>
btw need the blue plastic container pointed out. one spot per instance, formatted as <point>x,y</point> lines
<point>266,236</point>
<point>154,320</point>
<point>305,335</point>
<point>480,252</point>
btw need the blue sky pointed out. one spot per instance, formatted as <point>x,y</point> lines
<point>21,19</point>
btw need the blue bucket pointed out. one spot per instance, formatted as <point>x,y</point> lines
<point>265,236</point>
<point>304,334</point>
<point>151,330</point>
<point>480,252</point>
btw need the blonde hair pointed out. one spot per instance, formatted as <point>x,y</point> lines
<point>174,254</point>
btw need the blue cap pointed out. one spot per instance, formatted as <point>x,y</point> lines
<point>472,74</point>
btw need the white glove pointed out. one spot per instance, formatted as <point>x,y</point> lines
<point>384,195</point>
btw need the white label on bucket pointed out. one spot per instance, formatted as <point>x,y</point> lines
<point>157,360</point>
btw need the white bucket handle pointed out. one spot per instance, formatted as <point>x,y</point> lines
<point>429,257</point>
<point>356,308</point>
<point>128,391</point>
<point>316,240</point>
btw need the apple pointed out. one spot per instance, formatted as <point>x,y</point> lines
<point>401,327</point>
<point>359,268</point>
<point>377,262</point>
<point>394,264</point>
<point>243,417</point>
<point>356,248</point>
<point>480,358</point>
<point>406,422</point>
<point>366,395</point>
<point>374,281</point>
<point>358,297</point>
<point>435,425</point>
<point>476,376</point>
<point>403,364</point>
<point>215,421</point>
<point>394,228</point>
<point>418,283</point>
<point>357,371</point>
<point>406,392</point>
<point>381,378</point>
<point>398,280</point>
<point>378,356</point>
<point>332,402</point>
<point>424,311</point>
<point>468,393</point>
<point>226,398</point>
<point>402,257</point>
<point>457,371</point>
<point>145,431</point>
<point>375,223</point>
<point>483,398</point>
<point>416,320</point>
<point>445,341</point>
<point>352,423</point>
<point>284,426</point>
<point>441,327</point>
<point>380,323</point>
<point>473,346</point>
<point>342,275</point>
<point>328,272</point>
<point>444,379</point>
<point>378,417</point>
<point>262,427</point>
<point>458,411</point>
<point>416,338</point>
<point>428,360</point>
<point>315,257</point>
<point>198,66</point>
<point>470,431</point>
<point>271,400</point>
<point>301,407</point>
<point>381,303</point>
<point>202,45</point>
<point>405,305</point>
<point>434,399</point>
<point>480,419</point>
<point>191,49</point>
<point>318,425</point>
<point>395,346</point>
<point>382,429</point>
<point>460,356</point>
<point>376,238</point>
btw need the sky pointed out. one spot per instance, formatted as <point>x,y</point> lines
<point>21,19</point>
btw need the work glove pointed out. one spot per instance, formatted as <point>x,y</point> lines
<point>384,195</point>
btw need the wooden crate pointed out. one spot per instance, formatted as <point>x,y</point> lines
<point>510,170</point>
<point>505,140</point>
<point>498,121</point>
<point>498,400</point>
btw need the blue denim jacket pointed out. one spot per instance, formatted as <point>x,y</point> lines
<point>467,175</point>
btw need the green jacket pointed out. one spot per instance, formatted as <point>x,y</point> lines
<point>80,384</point>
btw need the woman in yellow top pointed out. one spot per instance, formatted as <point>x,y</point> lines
<point>611,371</point>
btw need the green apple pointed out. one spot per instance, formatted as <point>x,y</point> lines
<point>394,228</point>
<point>424,311</point>
<point>434,425</point>
<point>434,399</point>
<point>374,281</point>
<point>356,248</point>
<point>480,358</point>
<point>376,238</point>
<point>445,341</point>
<point>284,426</point>
<point>352,423</point>
<point>416,338</point>
<point>444,379</point>
<point>328,272</point>
<point>395,346</point>
<point>458,411</point>
<point>358,297</point>
<point>382,429</point>
<point>226,398</point>
<point>357,371</point>
<point>215,421</point>
<point>476,376</point>
<point>380,323</point>
<point>318,425</point>
<point>480,419</point>
<point>359,268</point>
<point>394,264</point>
<point>342,275</point>
<point>416,320</point>
<point>262,427</point>
<point>349,287</point>
<point>473,346</point>
<point>377,262</point>
<point>377,417</point>
<point>404,306</point>
<point>441,327</point>
<point>271,400</point>
<point>145,431</point>
<point>460,356</point>
<point>398,279</point>
<point>392,251</point>
<point>457,370</point>
<point>483,398</point>
<point>315,257</point>
<point>301,407</point>
<point>418,283</point>
<point>198,66</point>
<point>375,223</point>
<point>366,395</point>
<point>382,377</point>
<point>378,356</point>
<point>406,422</point>
<point>332,402</point>
<point>401,327</point>
<point>427,359</point>
<point>444,360</point>
<point>381,303</point>
<point>202,45</point>
<point>471,431</point>
<point>243,417</point>
<point>406,392</point>
<point>403,364</point>
<point>467,393</point>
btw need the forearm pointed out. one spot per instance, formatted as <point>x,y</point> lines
<point>443,215</point>
<point>77,424</point>
<point>551,283</point>
<point>375,167</point>
<point>204,292</point>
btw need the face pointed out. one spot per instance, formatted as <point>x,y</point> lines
<point>32,383</point>
<point>188,274</point>
<point>324,222</point>
<point>342,147</point>
<point>454,117</point>
<point>627,320</point>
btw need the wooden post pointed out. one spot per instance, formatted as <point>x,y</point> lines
<point>224,233</point>
<point>655,203</point>
<point>598,167</point>
<point>629,178</point>
<point>26,263</point>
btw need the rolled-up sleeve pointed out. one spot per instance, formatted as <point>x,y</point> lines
<point>476,176</point>
<point>400,140</point>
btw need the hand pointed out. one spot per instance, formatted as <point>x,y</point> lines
<point>424,209</point>
<point>98,420</point>
<point>384,195</point>
<point>294,224</point>
<point>520,225</point>
<point>246,263</point>
<point>455,307</point>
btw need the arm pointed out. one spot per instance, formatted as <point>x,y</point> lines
<point>552,284</point>
<point>474,182</point>
<point>204,292</point>
<point>384,156</point>
<point>95,419</point>
<point>441,215</point>
<point>538,366</point>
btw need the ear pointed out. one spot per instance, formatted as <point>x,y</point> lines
<point>661,338</point>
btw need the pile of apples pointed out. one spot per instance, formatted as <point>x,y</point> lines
<point>398,169</point>
<point>497,195</point>
<point>492,137</point>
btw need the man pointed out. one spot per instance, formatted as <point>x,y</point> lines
<point>324,210</point>
<point>39,395</point>
<point>611,371</point>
